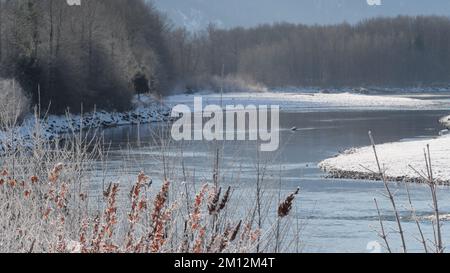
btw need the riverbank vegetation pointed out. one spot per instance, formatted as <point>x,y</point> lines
<point>435,244</point>
<point>56,196</point>
<point>14,104</point>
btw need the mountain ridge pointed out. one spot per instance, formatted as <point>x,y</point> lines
<point>197,14</point>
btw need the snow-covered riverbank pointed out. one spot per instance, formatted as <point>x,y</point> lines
<point>145,110</point>
<point>396,159</point>
<point>445,121</point>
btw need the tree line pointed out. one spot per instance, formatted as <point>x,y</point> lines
<point>101,53</point>
<point>382,51</point>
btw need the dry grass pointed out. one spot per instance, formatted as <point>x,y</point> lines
<point>14,104</point>
<point>47,205</point>
<point>434,244</point>
<point>39,218</point>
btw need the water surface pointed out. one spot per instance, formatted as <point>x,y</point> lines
<point>334,215</point>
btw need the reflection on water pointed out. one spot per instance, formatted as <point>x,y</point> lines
<point>336,215</point>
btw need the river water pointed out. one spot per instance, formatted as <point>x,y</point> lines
<point>330,215</point>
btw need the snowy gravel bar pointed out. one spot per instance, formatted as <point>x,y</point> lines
<point>396,159</point>
<point>303,101</point>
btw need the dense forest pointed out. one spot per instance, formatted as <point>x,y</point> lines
<point>383,51</point>
<point>101,53</point>
<point>68,56</point>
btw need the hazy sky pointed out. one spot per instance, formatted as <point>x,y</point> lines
<point>195,14</point>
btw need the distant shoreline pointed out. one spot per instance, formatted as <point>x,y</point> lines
<point>146,110</point>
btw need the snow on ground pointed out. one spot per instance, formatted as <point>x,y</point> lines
<point>146,109</point>
<point>445,121</point>
<point>290,101</point>
<point>396,159</point>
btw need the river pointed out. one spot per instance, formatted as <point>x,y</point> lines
<point>330,215</point>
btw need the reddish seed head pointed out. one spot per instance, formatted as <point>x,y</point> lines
<point>12,183</point>
<point>47,213</point>
<point>142,205</point>
<point>142,178</point>
<point>27,194</point>
<point>54,174</point>
<point>285,208</point>
<point>34,179</point>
